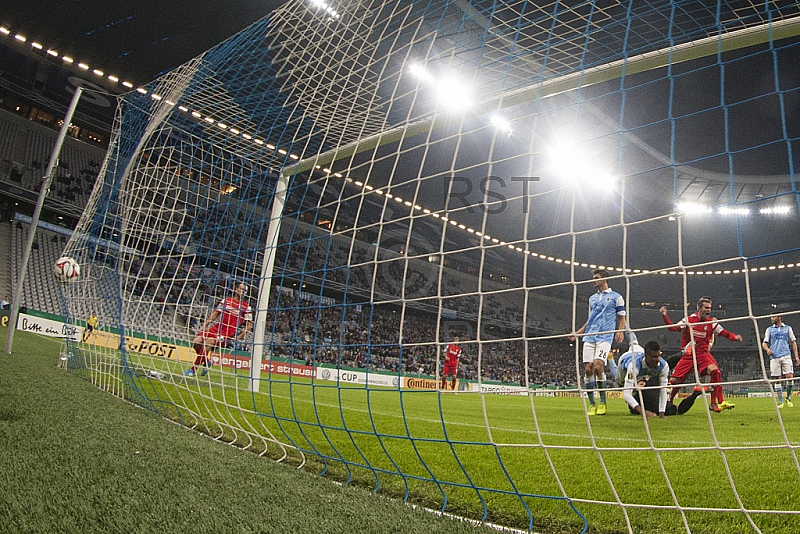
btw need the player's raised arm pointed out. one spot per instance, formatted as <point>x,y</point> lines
<point>665,317</point>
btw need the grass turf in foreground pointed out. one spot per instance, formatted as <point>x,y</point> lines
<point>336,424</point>
<point>76,459</point>
<point>340,425</point>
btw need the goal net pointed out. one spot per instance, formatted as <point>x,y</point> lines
<point>290,231</point>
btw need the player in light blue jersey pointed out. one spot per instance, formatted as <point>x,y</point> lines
<point>777,341</point>
<point>618,368</point>
<point>625,360</point>
<point>651,396</point>
<point>604,326</point>
<point>646,368</point>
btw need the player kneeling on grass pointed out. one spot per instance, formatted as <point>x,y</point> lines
<point>643,368</point>
<point>231,312</point>
<point>654,379</point>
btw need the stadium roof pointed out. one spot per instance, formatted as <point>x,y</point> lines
<point>135,39</point>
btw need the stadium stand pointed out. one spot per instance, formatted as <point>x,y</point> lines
<point>25,149</point>
<point>312,334</point>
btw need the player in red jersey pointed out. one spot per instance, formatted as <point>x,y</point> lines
<point>451,355</point>
<point>231,312</point>
<point>701,331</point>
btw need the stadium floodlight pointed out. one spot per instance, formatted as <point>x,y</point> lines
<point>729,210</point>
<point>453,93</point>
<point>321,4</point>
<point>501,123</point>
<point>419,71</point>
<point>572,164</point>
<point>693,208</point>
<point>604,180</point>
<point>777,210</point>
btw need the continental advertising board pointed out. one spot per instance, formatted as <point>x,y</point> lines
<point>419,383</point>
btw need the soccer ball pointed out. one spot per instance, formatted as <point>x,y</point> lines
<point>66,269</point>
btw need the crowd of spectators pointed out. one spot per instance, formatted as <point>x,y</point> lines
<point>321,330</point>
<point>393,337</point>
<point>359,335</point>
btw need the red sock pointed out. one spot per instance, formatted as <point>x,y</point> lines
<point>716,376</point>
<point>673,392</point>
<point>201,359</point>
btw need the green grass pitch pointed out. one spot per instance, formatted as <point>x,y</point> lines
<point>525,462</point>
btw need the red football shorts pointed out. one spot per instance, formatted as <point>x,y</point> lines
<point>686,365</point>
<point>218,332</point>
